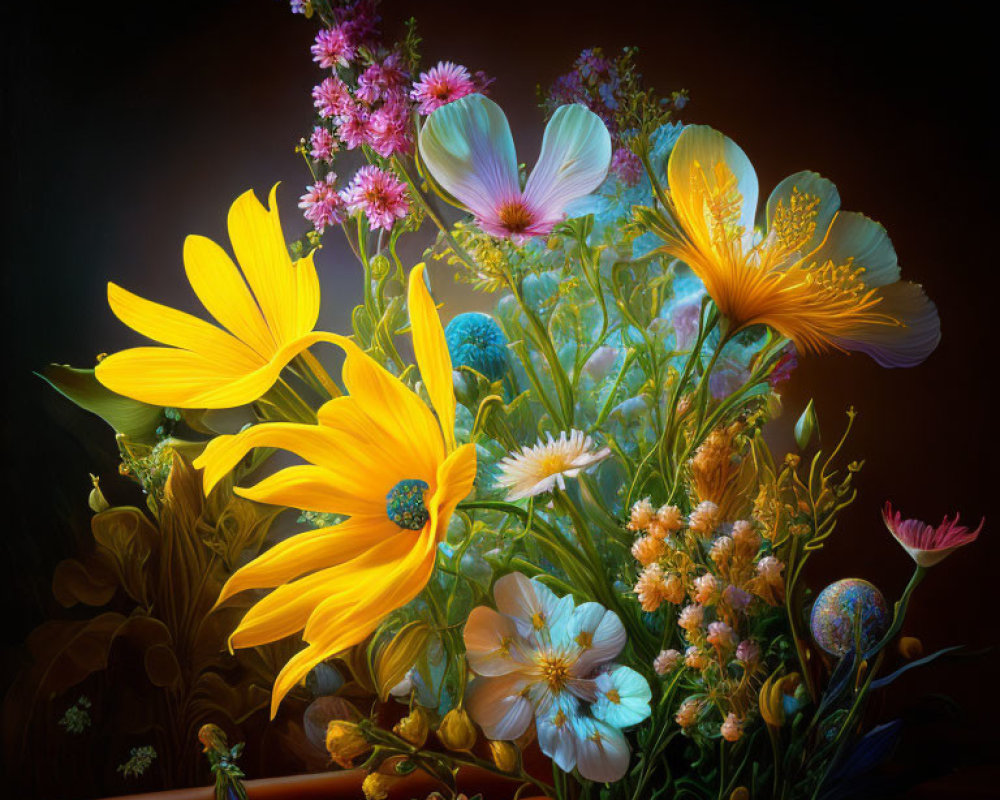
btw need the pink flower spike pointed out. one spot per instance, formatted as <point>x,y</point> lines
<point>380,195</point>
<point>926,544</point>
<point>332,48</point>
<point>441,84</point>
<point>354,129</point>
<point>389,128</point>
<point>322,144</point>
<point>468,149</point>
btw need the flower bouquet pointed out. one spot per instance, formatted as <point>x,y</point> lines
<point>551,542</point>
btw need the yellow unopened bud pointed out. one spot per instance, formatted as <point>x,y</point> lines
<point>97,501</point>
<point>740,793</point>
<point>505,756</point>
<point>457,732</point>
<point>376,786</point>
<point>911,647</point>
<point>345,742</point>
<point>414,727</point>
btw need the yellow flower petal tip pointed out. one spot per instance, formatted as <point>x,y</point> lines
<point>264,310</point>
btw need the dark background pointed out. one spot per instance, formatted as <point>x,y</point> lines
<point>127,126</point>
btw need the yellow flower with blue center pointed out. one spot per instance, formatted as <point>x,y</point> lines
<point>266,308</point>
<point>827,279</point>
<point>378,455</point>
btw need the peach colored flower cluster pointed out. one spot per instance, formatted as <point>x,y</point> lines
<point>711,579</point>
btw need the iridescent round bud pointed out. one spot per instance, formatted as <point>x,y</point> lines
<point>842,606</point>
<point>475,340</point>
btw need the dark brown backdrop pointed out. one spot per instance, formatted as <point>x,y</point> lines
<point>127,127</point>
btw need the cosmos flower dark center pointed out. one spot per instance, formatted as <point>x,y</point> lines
<point>515,216</point>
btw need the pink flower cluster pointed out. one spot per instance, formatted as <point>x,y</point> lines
<point>379,194</point>
<point>321,204</point>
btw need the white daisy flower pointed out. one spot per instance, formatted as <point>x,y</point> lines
<point>540,468</point>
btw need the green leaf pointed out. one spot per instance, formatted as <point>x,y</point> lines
<point>138,421</point>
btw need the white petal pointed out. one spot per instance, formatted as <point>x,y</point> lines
<point>556,735</point>
<point>599,633</point>
<point>468,149</point>
<point>576,153</point>
<point>602,754</point>
<point>498,707</point>
<point>490,642</point>
<point>854,236</point>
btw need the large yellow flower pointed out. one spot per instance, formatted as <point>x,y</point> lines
<point>380,456</point>
<point>266,323</point>
<point>825,278</point>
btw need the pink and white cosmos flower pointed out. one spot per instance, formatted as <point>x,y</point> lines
<point>468,150</point>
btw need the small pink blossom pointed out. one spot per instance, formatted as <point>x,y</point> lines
<point>736,598</point>
<point>705,518</point>
<point>666,661</point>
<point>322,144</point>
<point>380,80</point>
<point>748,652</point>
<point>732,728</point>
<point>926,544</point>
<point>440,85</point>
<point>689,711</point>
<point>321,204</point>
<point>380,195</point>
<point>354,129</point>
<point>331,97</point>
<point>333,47</point>
<point>720,635</point>
<point>389,128</point>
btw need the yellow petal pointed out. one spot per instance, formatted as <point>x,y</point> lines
<point>339,623</point>
<point>252,385</point>
<point>337,452</point>
<point>345,416</point>
<point>286,610</point>
<point>222,290</point>
<point>177,329</point>
<point>384,396</point>
<point>454,482</point>
<point>260,249</point>
<point>306,294</point>
<point>164,376</point>
<point>431,350</point>
<point>318,489</point>
<point>307,551</point>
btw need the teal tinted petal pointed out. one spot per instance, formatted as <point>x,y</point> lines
<point>575,156</point>
<point>467,147</point>
<point>853,237</point>
<point>622,697</point>
<point>794,195</point>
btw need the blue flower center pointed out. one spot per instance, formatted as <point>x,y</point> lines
<point>405,504</point>
<point>476,340</point>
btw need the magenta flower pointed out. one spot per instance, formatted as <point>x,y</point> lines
<point>441,84</point>
<point>379,194</point>
<point>353,128</point>
<point>322,144</point>
<point>380,80</point>
<point>389,128</point>
<point>331,97</point>
<point>321,204</point>
<point>468,149</point>
<point>926,544</point>
<point>333,47</point>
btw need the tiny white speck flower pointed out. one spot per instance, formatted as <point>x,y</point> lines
<point>540,468</point>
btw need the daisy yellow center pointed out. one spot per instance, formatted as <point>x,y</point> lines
<point>514,216</point>
<point>555,671</point>
<point>405,504</point>
<point>552,463</point>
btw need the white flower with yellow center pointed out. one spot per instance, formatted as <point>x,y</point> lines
<point>540,468</point>
<point>541,657</point>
